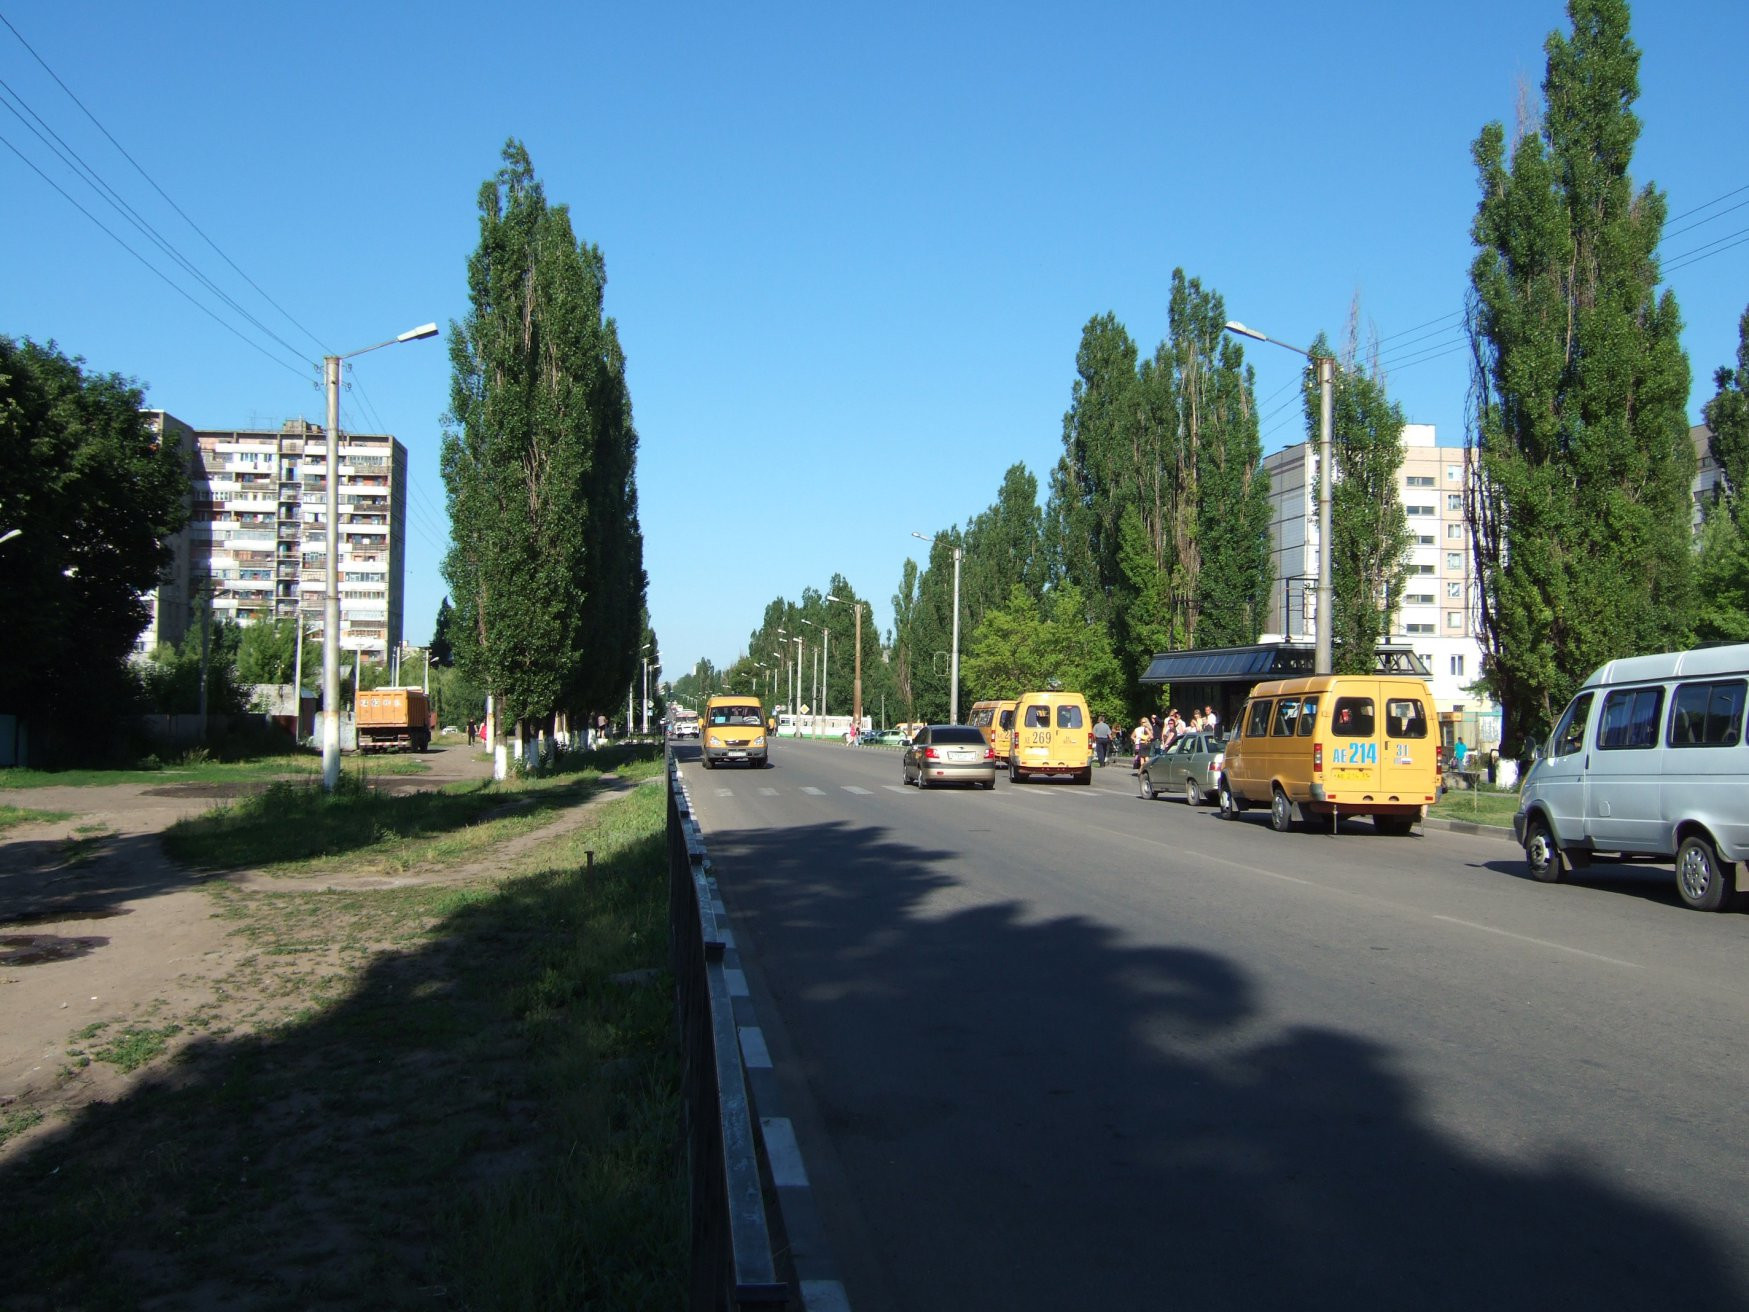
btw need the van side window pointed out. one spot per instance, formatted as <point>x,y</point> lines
<point>1287,711</point>
<point>1353,718</point>
<point>1569,735</point>
<point>1630,718</point>
<point>1707,714</point>
<point>1069,716</point>
<point>1257,723</point>
<point>1308,717</point>
<point>1405,717</point>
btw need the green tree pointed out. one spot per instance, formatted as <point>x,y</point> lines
<point>95,498</point>
<point>1580,505</point>
<point>1023,646</point>
<point>442,649</point>
<point>266,653</point>
<point>1723,566</point>
<point>1004,547</point>
<point>1369,529</point>
<point>546,571</point>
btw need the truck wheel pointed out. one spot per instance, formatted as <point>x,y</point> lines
<point>1230,805</point>
<point>1281,812</point>
<point>1705,882</point>
<point>1542,855</point>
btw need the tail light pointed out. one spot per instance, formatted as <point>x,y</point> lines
<point>1090,741</point>
<point>1317,756</point>
<point>929,752</point>
<point>1217,765</point>
<point>989,753</point>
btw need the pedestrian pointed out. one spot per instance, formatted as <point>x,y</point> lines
<point>1143,736</point>
<point>470,731</point>
<point>1101,739</point>
<point>1211,722</point>
<point>1459,754</point>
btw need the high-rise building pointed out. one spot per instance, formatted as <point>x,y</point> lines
<point>171,605</point>
<point>256,539</point>
<point>1437,614</point>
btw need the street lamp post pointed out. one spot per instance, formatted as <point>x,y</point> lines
<point>796,700</point>
<point>1326,367</point>
<point>825,661</point>
<point>954,669</point>
<point>856,687</point>
<point>646,660</point>
<point>331,602</point>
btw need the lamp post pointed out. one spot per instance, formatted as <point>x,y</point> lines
<point>825,660</point>
<point>796,700</point>
<point>954,675</point>
<point>646,661</point>
<point>856,687</point>
<point>331,602</point>
<point>1326,367</point>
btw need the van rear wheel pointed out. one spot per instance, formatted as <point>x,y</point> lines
<point>1705,882</point>
<point>1542,854</point>
<point>1281,812</point>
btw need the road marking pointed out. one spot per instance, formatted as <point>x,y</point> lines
<point>754,1053</point>
<point>897,788</point>
<point>768,792</point>
<point>814,792</point>
<point>852,788</point>
<point>782,1152</point>
<point>725,792</point>
<point>1540,942</point>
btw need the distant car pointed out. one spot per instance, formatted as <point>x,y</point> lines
<point>686,728</point>
<point>883,738</point>
<point>949,754</point>
<point>1190,768</point>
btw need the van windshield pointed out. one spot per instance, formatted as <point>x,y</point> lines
<point>735,715</point>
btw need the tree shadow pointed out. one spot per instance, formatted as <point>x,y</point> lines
<point>1036,1111</point>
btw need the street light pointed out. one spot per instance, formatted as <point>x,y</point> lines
<point>796,698</point>
<point>331,603</point>
<point>1321,656</point>
<point>954,675</point>
<point>646,660</point>
<point>825,661</point>
<point>856,708</point>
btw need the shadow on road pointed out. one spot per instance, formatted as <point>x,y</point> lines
<point>1036,1113</point>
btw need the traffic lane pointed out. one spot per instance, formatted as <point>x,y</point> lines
<point>1071,1087</point>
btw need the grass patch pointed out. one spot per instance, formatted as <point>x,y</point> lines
<point>196,768</point>
<point>1486,805</point>
<point>15,1121</point>
<point>12,816</point>
<point>464,1095</point>
<point>296,826</point>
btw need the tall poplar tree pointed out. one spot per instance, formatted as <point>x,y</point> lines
<point>1723,567</point>
<point>546,572</point>
<point>1580,504</point>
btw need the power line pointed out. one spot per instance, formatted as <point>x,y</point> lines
<point>170,282</point>
<point>155,187</point>
<point>1709,204</point>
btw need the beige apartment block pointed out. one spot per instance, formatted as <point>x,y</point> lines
<point>256,540</point>
<point>1437,614</point>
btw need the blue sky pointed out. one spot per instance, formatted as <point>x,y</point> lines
<point>850,252</point>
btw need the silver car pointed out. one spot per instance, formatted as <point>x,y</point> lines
<point>949,754</point>
<point>1189,768</point>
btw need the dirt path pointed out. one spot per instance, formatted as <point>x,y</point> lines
<point>97,926</point>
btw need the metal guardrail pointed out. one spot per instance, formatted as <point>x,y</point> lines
<point>733,1266</point>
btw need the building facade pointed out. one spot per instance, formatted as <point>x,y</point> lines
<point>256,542</point>
<point>1437,615</point>
<point>172,605</point>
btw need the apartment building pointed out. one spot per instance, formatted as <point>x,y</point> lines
<point>171,605</point>
<point>257,535</point>
<point>1436,614</point>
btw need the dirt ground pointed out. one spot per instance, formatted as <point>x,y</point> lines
<point>96,925</point>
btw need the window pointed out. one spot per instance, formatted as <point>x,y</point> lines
<point>1454,532</point>
<point>1707,715</point>
<point>1038,717</point>
<point>1069,716</point>
<point>1257,722</point>
<point>1418,599</point>
<point>1287,713</point>
<point>1427,540</point>
<point>1418,480</point>
<point>1457,664</point>
<point>1454,619</point>
<point>1308,717</point>
<point>1353,718</point>
<point>1455,591</point>
<point>1418,510</point>
<point>1452,473</point>
<point>1405,717</point>
<point>737,715</point>
<point>1454,560</point>
<point>1424,569</point>
<point>1569,735</point>
<point>1419,630</point>
<point>1454,501</point>
<point>1630,718</point>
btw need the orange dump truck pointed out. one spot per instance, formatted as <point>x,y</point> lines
<point>390,718</point>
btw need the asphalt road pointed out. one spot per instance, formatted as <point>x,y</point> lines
<point>1056,1047</point>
